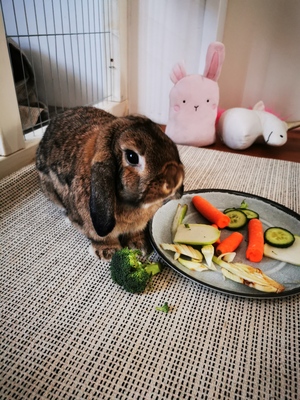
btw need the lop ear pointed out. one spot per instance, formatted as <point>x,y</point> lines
<point>178,72</point>
<point>103,197</point>
<point>214,60</point>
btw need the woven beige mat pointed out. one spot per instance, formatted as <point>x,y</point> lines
<point>68,332</point>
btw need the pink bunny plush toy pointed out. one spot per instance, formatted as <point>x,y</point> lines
<point>194,101</point>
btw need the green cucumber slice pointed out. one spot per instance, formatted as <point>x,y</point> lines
<point>279,237</point>
<point>228,209</point>
<point>289,255</point>
<point>198,234</point>
<point>238,219</point>
<point>249,213</point>
<point>180,213</point>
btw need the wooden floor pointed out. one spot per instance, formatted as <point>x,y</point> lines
<point>289,152</point>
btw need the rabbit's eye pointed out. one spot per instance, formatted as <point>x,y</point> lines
<point>183,101</point>
<point>132,157</point>
<point>207,100</point>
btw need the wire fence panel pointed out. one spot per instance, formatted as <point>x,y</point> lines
<point>60,55</point>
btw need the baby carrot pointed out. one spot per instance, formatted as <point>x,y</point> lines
<point>230,243</point>
<point>255,248</point>
<point>210,212</point>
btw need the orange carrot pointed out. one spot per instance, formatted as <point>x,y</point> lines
<point>219,240</point>
<point>230,243</point>
<point>210,212</point>
<point>255,249</point>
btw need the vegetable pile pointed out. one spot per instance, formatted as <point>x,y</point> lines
<point>199,247</point>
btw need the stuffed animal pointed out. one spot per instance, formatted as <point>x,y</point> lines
<point>239,128</point>
<point>194,101</point>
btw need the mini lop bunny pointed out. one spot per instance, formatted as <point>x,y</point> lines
<point>109,174</point>
<point>194,101</point>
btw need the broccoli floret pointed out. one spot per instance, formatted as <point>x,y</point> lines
<point>129,272</point>
<point>164,308</point>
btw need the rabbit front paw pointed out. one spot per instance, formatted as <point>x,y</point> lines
<point>138,240</point>
<point>104,251</point>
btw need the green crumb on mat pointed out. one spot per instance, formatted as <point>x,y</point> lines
<point>164,308</point>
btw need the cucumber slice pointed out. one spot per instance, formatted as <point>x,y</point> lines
<point>198,234</point>
<point>181,211</point>
<point>250,214</point>
<point>228,209</point>
<point>238,219</point>
<point>279,237</point>
<point>289,255</point>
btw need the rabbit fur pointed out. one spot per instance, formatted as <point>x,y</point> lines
<point>109,173</point>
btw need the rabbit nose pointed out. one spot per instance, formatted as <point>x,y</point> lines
<point>196,108</point>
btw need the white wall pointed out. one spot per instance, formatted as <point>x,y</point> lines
<point>262,40</point>
<point>262,59</point>
<point>162,33</point>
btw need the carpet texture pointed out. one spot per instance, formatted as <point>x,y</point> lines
<point>68,332</point>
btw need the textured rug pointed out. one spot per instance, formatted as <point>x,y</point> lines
<point>68,332</point>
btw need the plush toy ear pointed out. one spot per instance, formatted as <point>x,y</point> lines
<point>103,197</point>
<point>260,106</point>
<point>214,60</point>
<point>178,72</point>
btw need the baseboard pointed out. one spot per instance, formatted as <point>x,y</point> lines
<point>19,159</point>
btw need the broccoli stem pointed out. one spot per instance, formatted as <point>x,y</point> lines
<point>153,268</point>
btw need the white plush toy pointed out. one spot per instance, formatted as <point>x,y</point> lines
<point>239,128</point>
<point>194,101</point>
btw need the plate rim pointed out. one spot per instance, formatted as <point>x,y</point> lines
<point>259,295</point>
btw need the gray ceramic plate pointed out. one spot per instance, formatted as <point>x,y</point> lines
<point>271,214</point>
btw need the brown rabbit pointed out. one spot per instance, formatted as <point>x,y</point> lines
<point>109,174</point>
